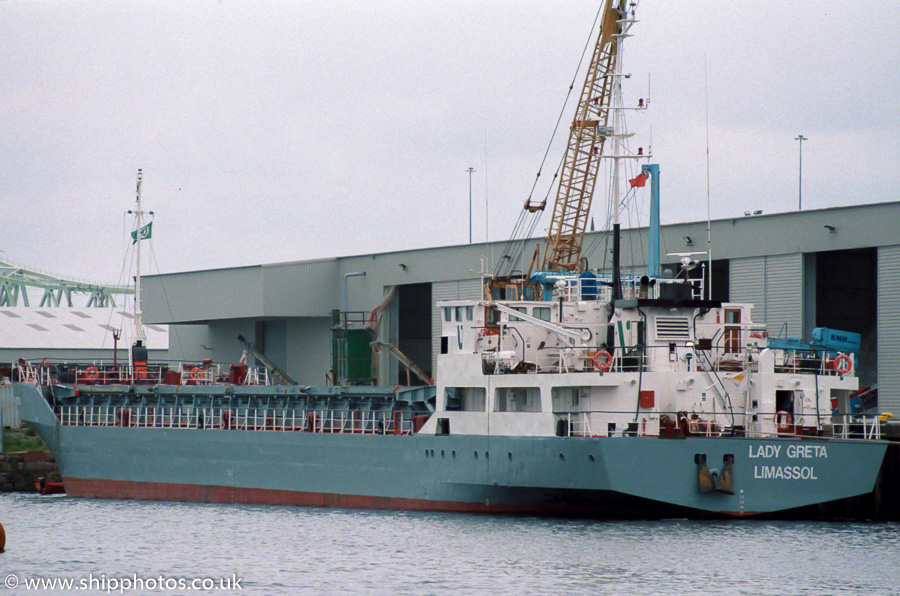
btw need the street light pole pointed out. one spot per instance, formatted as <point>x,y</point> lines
<point>800,138</point>
<point>470,170</point>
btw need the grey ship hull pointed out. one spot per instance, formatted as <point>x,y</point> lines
<point>603,477</point>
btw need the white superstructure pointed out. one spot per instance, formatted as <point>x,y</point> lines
<point>582,364</point>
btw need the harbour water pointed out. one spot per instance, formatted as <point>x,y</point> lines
<point>103,545</point>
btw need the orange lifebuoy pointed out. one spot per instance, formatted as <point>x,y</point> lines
<point>842,364</point>
<point>196,373</point>
<point>91,373</point>
<point>783,420</point>
<point>602,360</point>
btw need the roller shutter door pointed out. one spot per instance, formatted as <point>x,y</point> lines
<point>747,283</point>
<point>774,285</point>
<point>889,329</point>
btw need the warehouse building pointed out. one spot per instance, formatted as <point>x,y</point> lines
<point>837,268</point>
<point>59,334</point>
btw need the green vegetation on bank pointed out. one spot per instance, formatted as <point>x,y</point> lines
<point>22,439</point>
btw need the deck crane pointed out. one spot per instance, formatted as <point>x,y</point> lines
<point>591,127</point>
<point>587,135</point>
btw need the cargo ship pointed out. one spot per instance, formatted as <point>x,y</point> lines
<point>564,391</point>
<point>655,404</point>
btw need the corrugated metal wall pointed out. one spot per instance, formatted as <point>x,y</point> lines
<point>9,408</point>
<point>465,289</point>
<point>307,289</point>
<point>203,295</point>
<point>747,283</point>
<point>302,289</point>
<point>774,285</point>
<point>784,294</point>
<point>309,349</point>
<point>889,329</point>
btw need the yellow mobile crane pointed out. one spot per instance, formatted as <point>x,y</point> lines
<point>591,127</point>
<point>587,135</point>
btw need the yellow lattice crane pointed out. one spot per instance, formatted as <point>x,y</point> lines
<point>587,135</point>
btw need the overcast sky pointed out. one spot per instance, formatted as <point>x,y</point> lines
<point>280,131</point>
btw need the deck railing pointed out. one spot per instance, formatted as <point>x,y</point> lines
<point>680,358</point>
<point>155,373</point>
<point>848,426</point>
<point>608,423</point>
<point>597,288</point>
<point>597,423</point>
<point>372,422</point>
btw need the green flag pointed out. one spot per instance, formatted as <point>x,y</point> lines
<point>142,234</point>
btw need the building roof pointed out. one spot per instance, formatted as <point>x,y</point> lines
<point>73,328</point>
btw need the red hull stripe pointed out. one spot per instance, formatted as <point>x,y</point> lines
<point>196,493</point>
<point>162,491</point>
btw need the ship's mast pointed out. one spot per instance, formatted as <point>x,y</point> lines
<point>618,133</point>
<point>139,352</point>
<point>138,216</point>
<point>624,24</point>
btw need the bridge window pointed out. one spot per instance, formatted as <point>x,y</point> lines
<point>542,313</point>
<point>732,330</point>
<point>520,309</point>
